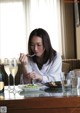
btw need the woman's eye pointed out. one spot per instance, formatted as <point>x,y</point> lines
<point>39,45</point>
<point>36,45</point>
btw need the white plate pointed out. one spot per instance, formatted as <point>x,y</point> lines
<point>28,87</point>
<point>38,93</point>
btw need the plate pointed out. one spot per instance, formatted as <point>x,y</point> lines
<point>38,93</point>
<point>30,87</point>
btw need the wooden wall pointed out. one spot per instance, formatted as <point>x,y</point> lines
<point>71,0</point>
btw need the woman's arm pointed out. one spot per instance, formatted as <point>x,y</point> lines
<point>26,69</point>
<point>48,73</point>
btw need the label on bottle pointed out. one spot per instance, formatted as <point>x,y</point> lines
<point>1,96</point>
<point>1,86</point>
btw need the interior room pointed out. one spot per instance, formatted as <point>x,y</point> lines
<point>64,31</point>
<point>49,68</point>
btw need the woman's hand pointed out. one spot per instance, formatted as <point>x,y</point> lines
<point>23,58</point>
<point>34,76</point>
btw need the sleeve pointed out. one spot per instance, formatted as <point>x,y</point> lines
<point>54,71</point>
<point>26,69</point>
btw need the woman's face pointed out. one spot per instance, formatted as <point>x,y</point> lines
<point>37,46</point>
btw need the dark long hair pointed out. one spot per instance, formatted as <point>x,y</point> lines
<point>49,53</point>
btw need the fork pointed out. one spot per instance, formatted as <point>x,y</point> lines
<point>30,55</point>
<point>32,82</point>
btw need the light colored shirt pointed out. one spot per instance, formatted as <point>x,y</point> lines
<point>49,71</point>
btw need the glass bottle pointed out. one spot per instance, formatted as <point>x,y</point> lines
<point>1,81</point>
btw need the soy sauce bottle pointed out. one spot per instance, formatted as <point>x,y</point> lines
<point>1,82</point>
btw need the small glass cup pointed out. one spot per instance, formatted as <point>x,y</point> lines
<point>73,80</point>
<point>78,82</point>
<point>66,83</point>
<point>63,81</point>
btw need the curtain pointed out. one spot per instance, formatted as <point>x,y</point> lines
<point>45,14</point>
<point>19,17</point>
<point>12,28</point>
<point>68,30</point>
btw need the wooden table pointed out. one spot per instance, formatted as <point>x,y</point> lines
<point>46,102</point>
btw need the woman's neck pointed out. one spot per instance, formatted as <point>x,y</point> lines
<point>39,61</point>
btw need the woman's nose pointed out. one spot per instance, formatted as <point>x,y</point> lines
<point>35,47</point>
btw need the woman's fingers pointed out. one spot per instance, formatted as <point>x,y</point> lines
<point>34,76</point>
<point>31,75</point>
<point>23,58</point>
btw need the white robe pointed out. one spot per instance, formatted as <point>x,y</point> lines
<point>49,72</point>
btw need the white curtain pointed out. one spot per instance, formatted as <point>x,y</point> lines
<point>46,14</point>
<point>19,17</point>
<point>12,28</point>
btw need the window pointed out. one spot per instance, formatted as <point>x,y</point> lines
<point>19,17</point>
<point>46,14</point>
<point>12,28</point>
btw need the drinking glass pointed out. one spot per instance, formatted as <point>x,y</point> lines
<point>13,70</point>
<point>7,70</point>
<point>63,80</point>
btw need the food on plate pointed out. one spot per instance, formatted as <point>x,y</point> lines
<point>52,84</point>
<point>31,86</point>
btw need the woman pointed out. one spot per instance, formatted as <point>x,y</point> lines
<point>46,64</point>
